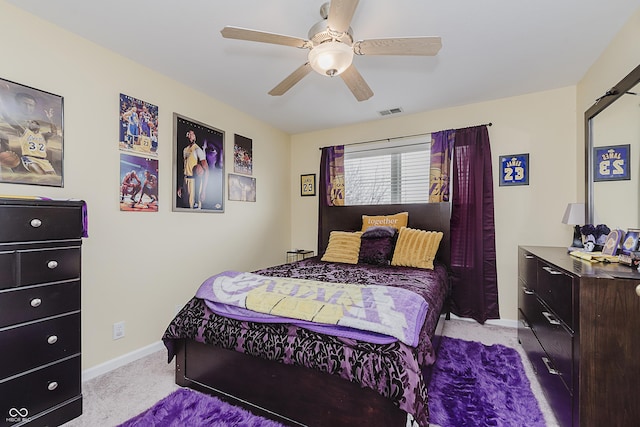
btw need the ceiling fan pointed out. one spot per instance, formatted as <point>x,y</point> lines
<point>331,47</point>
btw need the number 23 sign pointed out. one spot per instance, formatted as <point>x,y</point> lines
<point>514,169</point>
<point>611,163</point>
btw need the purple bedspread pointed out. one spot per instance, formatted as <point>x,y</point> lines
<point>393,369</point>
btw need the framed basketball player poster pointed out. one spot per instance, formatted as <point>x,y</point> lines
<point>138,126</point>
<point>31,135</point>
<point>138,183</point>
<point>242,155</point>
<point>198,166</point>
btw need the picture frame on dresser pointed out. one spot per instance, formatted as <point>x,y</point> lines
<point>630,241</point>
<point>612,242</point>
<point>31,135</point>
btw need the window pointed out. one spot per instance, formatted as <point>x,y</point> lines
<point>388,172</point>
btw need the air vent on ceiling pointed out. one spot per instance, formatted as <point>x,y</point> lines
<point>390,111</point>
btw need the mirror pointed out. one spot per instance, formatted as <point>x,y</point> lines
<point>612,188</point>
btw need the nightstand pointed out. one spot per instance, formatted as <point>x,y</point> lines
<point>298,255</point>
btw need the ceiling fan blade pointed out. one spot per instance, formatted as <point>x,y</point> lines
<point>291,80</point>
<point>356,83</point>
<point>340,14</point>
<point>425,46</point>
<point>263,37</point>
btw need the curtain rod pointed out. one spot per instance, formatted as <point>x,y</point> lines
<point>400,137</point>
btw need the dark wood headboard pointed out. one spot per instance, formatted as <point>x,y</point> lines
<point>423,216</point>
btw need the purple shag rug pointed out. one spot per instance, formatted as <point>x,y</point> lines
<point>473,384</point>
<point>186,407</point>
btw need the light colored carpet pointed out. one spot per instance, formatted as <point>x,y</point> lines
<point>115,397</point>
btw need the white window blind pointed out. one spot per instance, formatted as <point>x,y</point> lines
<point>395,171</point>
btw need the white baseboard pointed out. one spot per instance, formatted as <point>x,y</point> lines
<point>112,364</point>
<point>508,323</point>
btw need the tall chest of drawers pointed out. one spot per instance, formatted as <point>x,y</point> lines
<point>40,366</point>
<point>579,324</point>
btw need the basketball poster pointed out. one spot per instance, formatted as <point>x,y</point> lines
<point>31,135</point>
<point>198,166</point>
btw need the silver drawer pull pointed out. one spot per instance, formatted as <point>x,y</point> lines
<point>52,339</point>
<point>52,385</point>
<point>36,302</point>
<point>52,264</point>
<point>551,270</point>
<point>35,223</point>
<point>547,364</point>
<point>551,318</point>
<point>527,256</point>
<point>527,291</point>
<point>525,324</point>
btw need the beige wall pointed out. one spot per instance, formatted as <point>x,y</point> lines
<point>138,266</point>
<point>541,124</point>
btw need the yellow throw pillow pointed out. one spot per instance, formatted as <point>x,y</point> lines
<point>396,221</point>
<point>416,248</point>
<point>343,247</point>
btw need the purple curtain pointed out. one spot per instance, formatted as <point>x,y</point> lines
<point>332,175</point>
<point>331,170</point>
<point>440,165</point>
<point>473,248</point>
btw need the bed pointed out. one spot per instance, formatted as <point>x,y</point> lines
<point>299,376</point>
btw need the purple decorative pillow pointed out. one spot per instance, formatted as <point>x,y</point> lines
<point>377,232</point>
<point>376,245</point>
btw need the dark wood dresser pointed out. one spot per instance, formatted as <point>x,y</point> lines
<point>40,367</point>
<point>579,323</point>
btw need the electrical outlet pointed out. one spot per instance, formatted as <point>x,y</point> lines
<point>118,330</point>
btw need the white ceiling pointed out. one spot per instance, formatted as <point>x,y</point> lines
<point>491,49</point>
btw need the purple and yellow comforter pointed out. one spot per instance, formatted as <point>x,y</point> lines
<point>390,367</point>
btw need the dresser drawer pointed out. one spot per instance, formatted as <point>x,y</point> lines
<point>39,265</point>
<point>527,268</point>
<point>556,392</point>
<point>49,265</point>
<point>36,302</point>
<point>7,269</point>
<point>39,343</point>
<point>526,337</point>
<point>38,223</point>
<point>527,300</point>
<point>41,389</point>
<point>556,341</point>
<point>555,288</point>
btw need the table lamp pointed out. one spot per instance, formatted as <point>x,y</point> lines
<point>574,215</point>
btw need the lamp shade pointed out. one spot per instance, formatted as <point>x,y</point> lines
<point>331,58</point>
<point>574,214</point>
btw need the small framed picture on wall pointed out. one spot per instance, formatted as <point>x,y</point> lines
<point>514,169</point>
<point>308,184</point>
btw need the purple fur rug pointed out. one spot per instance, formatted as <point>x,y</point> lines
<point>186,407</point>
<point>477,385</point>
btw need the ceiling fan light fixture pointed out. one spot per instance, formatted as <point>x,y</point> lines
<point>331,58</point>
